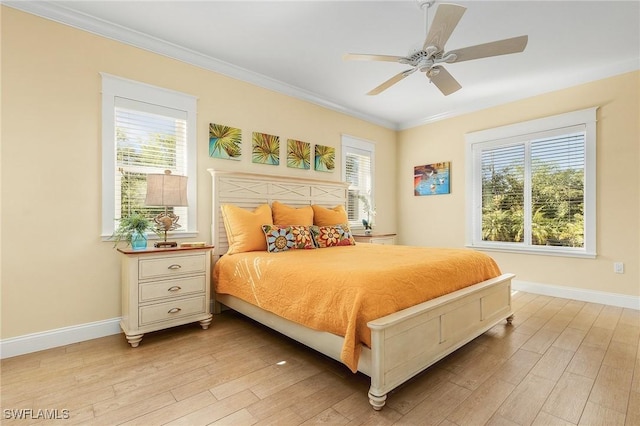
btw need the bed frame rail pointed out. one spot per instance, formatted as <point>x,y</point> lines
<point>407,342</point>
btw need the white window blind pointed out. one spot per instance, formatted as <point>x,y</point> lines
<point>550,171</point>
<point>145,129</point>
<point>534,191</point>
<point>557,191</point>
<point>358,162</point>
<point>503,193</point>
<point>149,139</point>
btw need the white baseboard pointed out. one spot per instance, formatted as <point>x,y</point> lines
<point>28,343</point>
<point>594,296</point>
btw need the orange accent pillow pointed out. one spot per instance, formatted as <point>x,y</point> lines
<point>244,227</point>
<point>286,215</point>
<point>323,216</point>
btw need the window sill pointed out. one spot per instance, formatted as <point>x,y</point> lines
<point>170,236</point>
<point>542,251</point>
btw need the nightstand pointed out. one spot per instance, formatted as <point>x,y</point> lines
<point>386,239</point>
<point>164,287</point>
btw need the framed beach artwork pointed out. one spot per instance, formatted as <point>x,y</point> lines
<point>432,179</point>
<point>225,142</point>
<point>298,154</point>
<point>266,149</point>
<point>325,158</point>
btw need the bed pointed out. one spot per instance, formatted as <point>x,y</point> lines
<point>400,343</point>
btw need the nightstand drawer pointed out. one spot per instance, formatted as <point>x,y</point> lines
<point>167,266</point>
<point>384,241</point>
<point>172,288</point>
<point>167,311</point>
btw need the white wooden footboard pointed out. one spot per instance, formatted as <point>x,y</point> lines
<point>407,342</point>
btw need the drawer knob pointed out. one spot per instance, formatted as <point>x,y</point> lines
<point>174,288</point>
<point>174,266</point>
<point>173,310</point>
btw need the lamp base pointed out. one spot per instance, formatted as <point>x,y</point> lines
<point>160,244</point>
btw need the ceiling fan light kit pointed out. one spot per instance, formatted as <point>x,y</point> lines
<point>429,59</point>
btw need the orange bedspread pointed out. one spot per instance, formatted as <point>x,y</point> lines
<point>340,289</point>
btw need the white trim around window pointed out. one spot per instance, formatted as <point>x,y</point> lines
<point>362,183</point>
<point>113,88</point>
<point>519,133</point>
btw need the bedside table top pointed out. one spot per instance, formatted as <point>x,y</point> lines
<point>156,250</point>
<point>373,235</point>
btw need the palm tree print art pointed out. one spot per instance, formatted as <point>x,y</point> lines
<point>325,160</point>
<point>266,149</point>
<point>298,154</point>
<point>224,142</point>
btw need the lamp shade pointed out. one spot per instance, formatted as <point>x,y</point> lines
<point>166,190</point>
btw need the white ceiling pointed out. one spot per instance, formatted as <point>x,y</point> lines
<point>296,47</point>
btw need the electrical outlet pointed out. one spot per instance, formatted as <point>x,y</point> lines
<point>618,267</point>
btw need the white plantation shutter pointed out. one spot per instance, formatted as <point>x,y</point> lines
<point>532,186</point>
<point>358,161</point>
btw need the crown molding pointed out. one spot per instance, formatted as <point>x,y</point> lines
<point>55,12</point>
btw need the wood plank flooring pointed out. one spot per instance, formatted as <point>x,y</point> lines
<point>563,362</point>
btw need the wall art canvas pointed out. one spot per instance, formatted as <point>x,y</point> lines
<point>298,154</point>
<point>325,158</point>
<point>432,179</point>
<point>225,142</point>
<point>266,149</point>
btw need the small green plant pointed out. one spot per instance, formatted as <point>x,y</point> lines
<point>130,224</point>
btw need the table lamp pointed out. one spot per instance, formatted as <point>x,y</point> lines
<point>166,190</point>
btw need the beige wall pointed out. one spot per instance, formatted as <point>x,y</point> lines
<point>439,220</point>
<point>56,271</point>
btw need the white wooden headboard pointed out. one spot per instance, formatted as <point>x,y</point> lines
<point>248,191</point>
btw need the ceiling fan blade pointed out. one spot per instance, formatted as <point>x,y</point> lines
<point>445,21</point>
<point>443,80</point>
<point>393,80</point>
<point>494,48</point>
<point>366,57</point>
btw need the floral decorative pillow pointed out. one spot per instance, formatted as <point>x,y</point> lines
<point>331,236</point>
<point>282,238</point>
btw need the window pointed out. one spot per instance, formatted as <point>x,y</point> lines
<point>531,186</point>
<point>145,129</point>
<point>358,159</point>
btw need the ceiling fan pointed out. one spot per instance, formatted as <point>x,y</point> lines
<point>432,55</point>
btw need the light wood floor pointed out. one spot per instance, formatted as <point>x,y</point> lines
<point>562,362</point>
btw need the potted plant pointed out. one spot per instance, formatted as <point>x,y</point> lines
<point>133,229</point>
